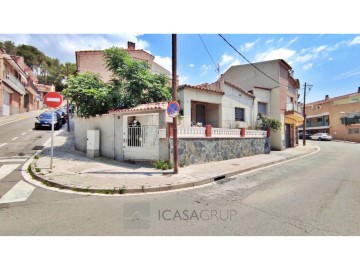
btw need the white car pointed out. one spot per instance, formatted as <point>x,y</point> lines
<point>321,137</point>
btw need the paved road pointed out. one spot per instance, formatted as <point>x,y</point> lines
<point>316,195</point>
<point>18,142</point>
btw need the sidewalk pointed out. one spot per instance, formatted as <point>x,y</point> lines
<point>15,117</point>
<point>73,170</point>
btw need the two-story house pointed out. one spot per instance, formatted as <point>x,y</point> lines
<point>242,92</point>
<point>93,61</point>
<point>12,85</point>
<point>276,93</point>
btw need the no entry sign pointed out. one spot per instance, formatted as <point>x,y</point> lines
<point>53,99</point>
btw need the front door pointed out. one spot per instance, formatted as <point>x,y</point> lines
<point>6,104</point>
<point>287,135</point>
<point>200,113</point>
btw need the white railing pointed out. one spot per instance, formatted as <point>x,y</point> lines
<point>255,133</point>
<point>191,132</point>
<point>225,132</point>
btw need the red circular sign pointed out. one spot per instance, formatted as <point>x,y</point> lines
<point>53,99</point>
<point>173,109</point>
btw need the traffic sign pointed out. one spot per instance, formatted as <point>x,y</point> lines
<point>173,109</point>
<point>53,99</point>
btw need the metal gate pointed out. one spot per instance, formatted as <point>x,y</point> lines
<point>141,143</point>
<point>6,104</point>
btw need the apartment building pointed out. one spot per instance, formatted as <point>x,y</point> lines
<point>338,116</point>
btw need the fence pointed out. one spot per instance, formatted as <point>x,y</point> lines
<point>225,133</point>
<point>200,132</point>
<point>255,133</point>
<point>191,132</point>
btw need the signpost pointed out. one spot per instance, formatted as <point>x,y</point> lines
<point>173,109</point>
<point>52,100</point>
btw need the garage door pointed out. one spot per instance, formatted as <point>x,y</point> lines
<point>6,104</point>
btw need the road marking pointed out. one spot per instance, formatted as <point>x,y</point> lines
<point>19,193</point>
<point>23,133</point>
<point>13,160</point>
<point>30,130</point>
<point>7,169</point>
<point>13,139</point>
<point>1,145</point>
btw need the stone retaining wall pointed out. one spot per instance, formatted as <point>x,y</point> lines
<point>201,150</point>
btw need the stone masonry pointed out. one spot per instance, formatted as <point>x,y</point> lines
<point>200,150</point>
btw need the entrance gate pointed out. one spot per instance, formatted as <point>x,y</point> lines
<point>141,143</point>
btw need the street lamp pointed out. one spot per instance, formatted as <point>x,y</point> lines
<point>343,113</point>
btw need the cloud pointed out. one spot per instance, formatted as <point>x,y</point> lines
<point>320,48</point>
<point>330,58</point>
<point>191,65</point>
<point>247,46</point>
<point>307,66</point>
<point>348,74</point>
<point>355,41</point>
<point>273,54</point>
<point>205,69</point>
<point>292,41</point>
<point>183,79</point>
<point>281,40</point>
<point>269,41</point>
<point>304,58</point>
<point>225,59</point>
<point>64,46</point>
<point>165,62</point>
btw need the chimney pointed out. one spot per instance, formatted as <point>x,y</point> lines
<point>359,89</point>
<point>326,97</point>
<point>131,45</point>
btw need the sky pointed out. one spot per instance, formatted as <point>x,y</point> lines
<point>329,62</point>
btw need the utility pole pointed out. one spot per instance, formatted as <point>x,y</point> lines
<point>67,101</point>
<point>304,115</point>
<point>174,98</point>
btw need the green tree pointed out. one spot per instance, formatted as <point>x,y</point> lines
<point>134,81</point>
<point>8,46</point>
<point>90,95</point>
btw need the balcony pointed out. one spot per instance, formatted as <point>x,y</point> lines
<point>14,83</point>
<point>294,112</point>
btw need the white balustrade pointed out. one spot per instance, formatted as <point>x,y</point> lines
<point>191,132</point>
<point>255,133</point>
<point>225,133</point>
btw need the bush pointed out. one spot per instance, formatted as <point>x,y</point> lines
<point>163,165</point>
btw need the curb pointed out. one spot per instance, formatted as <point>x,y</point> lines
<point>124,190</point>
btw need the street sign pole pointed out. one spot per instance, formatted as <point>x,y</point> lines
<point>52,100</point>
<point>174,96</point>
<point>52,138</point>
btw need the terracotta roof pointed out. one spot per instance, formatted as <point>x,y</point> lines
<point>331,99</point>
<point>239,88</point>
<point>201,88</point>
<point>144,107</point>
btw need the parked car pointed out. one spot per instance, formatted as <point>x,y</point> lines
<point>44,120</point>
<point>321,137</point>
<point>63,114</point>
<point>307,135</point>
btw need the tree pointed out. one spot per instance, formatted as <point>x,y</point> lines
<point>90,95</point>
<point>9,47</point>
<point>269,123</point>
<point>133,79</point>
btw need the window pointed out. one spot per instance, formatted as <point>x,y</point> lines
<point>262,108</point>
<point>354,131</point>
<point>239,114</point>
<point>319,119</point>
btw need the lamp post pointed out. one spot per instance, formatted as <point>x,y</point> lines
<point>343,113</point>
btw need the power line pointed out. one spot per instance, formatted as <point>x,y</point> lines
<point>216,65</point>
<point>254,65</point>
